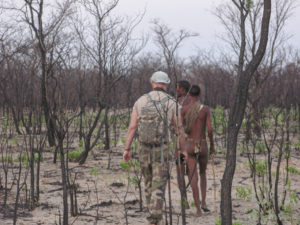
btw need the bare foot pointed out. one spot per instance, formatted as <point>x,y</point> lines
<point>199,213</point>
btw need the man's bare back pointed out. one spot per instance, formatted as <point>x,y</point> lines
<point>196,147</point>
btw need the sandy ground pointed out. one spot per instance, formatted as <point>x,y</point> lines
<point>104,193</point>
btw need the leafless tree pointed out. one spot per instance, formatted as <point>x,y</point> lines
<point>44,22</point>
<point>245,70</point>
<point>109,55</point>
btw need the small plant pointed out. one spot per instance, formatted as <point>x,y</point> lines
<point>218,221</point>
<point>193,204</point>
<point>80,144</point>
<point>244,192</point>
<point>123,140</point>
<point>127,166</point>
<point>124,127</point>
<point>25,159</point>
<point>297,145</point>
<point>261,147</point>
<point>6,159</point>
<point>293,170</point>
<point>261,167</point>
<point>114,142</point>
<point>94,171</point>
<point>99,145</point>
<point>15,141</point>
<point>186,203</point>
<point>74,155</point>
<point>265,124</point>
<point>293,197</point>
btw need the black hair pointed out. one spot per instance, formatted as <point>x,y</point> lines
<point>184,84</point>
<point>195,90</point>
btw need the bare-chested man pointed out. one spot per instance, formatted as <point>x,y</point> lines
<point>196,118</point>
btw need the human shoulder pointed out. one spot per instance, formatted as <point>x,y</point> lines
<point>205,108</point>
<point>140,101</point>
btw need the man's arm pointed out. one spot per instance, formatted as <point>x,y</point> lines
<point>210,133</point>
<point>130,135</point>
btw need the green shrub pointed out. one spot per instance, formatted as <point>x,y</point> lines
<point>7,159</point>
<point>74,155</point>
<point>293,197</point>
<point>244,192</point>
<point>25,159</point>
<point>218,221</point>
<point>193,204</point>
<point>293,170</point>
<point>94,171</point>
<point>124,127</point>
<point>261,167</point>
<point>123,140</point>
<point>236,223</point>
<point>261,147</point>
<point>80,144</point>
<point>297,145</point>
<point>126,166</point>
<point>99,145</point>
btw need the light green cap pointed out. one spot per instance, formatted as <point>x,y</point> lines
<point>160,77</point>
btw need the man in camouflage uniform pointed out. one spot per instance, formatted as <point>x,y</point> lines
<point>154,151</point>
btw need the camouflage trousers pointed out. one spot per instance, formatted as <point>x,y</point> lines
<point>154,163</point>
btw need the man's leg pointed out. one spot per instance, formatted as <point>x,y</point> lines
<point>145,163</point>
<point>203,159</point>
<point>181,174</point>
<point>159,181</point>
<point>192,163</point>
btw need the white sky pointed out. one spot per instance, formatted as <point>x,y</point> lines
<point>195,16</point>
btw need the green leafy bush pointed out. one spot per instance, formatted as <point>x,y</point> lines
<point>261,167</point>
<point>218,221</point>
<point>25,159</point>
<point>244,192</point>
<point>80,144</point>
<point>293,170</point>
<point>261,147</point>
<point>94,171</point>
<point>74,155</point>
<point>7,159</point>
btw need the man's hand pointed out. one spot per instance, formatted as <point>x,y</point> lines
<point>211,150</point>
<point>127,155</point>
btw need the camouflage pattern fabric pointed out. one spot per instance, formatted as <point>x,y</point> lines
<point>152,125</point>
<point>154,166</point>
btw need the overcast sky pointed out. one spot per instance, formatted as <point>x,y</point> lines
<point>196,16</point>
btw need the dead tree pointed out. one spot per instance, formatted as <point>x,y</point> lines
<point>109,54</point>
<point>245,71</point>
<point>45,36</point>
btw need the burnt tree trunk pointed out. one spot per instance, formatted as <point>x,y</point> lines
<point>238,105</point>
<point>64,184</point>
